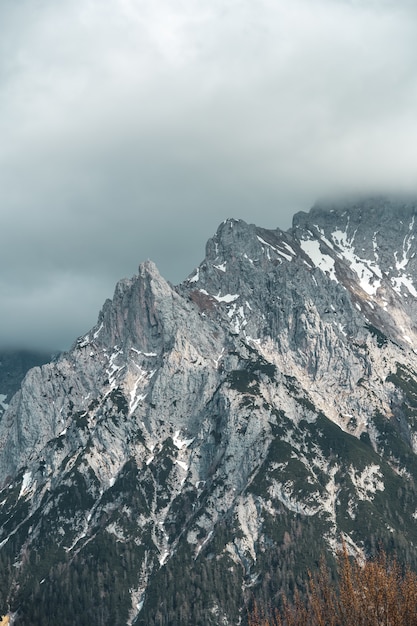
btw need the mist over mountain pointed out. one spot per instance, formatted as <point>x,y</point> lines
<point>204,443</point>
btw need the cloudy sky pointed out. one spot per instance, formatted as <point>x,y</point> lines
<point>130,128</point>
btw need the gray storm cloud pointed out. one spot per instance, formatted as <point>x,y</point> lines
<point>129,129</point>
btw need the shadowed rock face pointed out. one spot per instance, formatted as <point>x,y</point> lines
<point>14,364</point>
<point>222,429</point>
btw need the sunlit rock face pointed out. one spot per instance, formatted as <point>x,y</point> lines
<point>204,443</point>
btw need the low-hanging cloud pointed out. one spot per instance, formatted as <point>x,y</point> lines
<point>129,129</point>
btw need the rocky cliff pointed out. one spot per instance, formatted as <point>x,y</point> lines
<point>14,365</point>
<point>204,443</point>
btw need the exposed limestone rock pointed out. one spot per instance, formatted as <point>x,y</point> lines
<point>278,382</point>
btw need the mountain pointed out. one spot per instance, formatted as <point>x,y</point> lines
<point>203,444</point>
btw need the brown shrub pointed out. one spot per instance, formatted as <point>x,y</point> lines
<point>377,593</point>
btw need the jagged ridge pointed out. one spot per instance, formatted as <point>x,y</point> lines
<point>209,440</point>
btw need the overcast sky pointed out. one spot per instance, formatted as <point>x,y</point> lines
<point>129,129</point>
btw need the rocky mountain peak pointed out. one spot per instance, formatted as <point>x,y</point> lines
<point>231,234</point>
<point>139,313</point>
<point>227,429</point>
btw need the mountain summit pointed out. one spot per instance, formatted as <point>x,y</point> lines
<point>203,444</point>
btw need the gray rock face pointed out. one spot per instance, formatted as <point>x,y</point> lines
<point>14,364</point>
<point>276,384</point>
<point>372,249</point>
